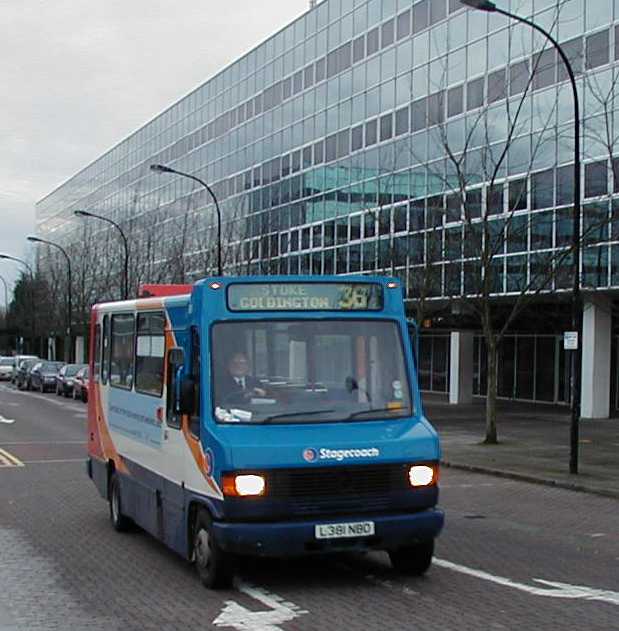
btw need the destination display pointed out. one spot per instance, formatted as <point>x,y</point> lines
<point>305,297</point>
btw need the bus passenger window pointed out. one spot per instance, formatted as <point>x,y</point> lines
<point>121,365</point>
<point>105,368</point>
<point>149,353</point>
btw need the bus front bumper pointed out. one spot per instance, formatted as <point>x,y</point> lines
<point>278,539</point>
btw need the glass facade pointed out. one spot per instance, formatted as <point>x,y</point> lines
<point>333,146</point>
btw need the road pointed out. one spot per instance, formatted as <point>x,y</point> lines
<point>512,556</point>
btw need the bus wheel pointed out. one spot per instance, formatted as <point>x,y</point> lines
<point>413,560</point>
<point>120,522</point>
<point>213,565</point>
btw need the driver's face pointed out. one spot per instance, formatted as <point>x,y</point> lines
<point>238,365</point>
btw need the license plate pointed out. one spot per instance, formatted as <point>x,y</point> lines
<point>339,531</point>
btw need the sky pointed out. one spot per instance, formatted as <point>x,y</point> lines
<point>78,76</point>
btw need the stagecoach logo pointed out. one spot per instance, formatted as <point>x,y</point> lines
<point>309,454</point>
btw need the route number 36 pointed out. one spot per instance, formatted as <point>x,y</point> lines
<point>354,298</point>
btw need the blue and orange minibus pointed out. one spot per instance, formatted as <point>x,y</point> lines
<point>265,416</point>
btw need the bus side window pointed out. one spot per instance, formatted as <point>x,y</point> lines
<point>173,419</point>
<point>106,350</point>
<point>97,354</point>
<point>194,422</point>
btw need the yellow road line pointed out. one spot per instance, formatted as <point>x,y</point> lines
<point>9,460</point>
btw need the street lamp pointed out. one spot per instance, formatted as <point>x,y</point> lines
<point>161,168</point>
<point>6,294</point>
<point>576,359</point>
<point>85,213</point>
<point>69,354</point>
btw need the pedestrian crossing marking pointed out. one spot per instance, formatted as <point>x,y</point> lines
<point>9,460</point>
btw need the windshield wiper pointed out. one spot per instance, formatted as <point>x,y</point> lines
<point>360,412</point>
<point>293,414</point>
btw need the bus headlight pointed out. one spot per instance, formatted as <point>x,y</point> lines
<point>422,475</point>
<point>243,485</point>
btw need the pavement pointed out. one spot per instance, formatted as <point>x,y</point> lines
<point>534,444</point>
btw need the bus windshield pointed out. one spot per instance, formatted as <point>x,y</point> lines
<point>308,371</point>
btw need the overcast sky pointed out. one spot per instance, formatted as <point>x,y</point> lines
<point>77,76</point>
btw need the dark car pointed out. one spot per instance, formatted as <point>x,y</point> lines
<point>22,376</point>
<point>43,375</point>
<point>80,385</point>
<point>65,379</point>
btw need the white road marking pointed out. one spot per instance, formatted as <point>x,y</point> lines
<point>6,421</point>
<point>553,589</point>
<point>238,617</point>
<point>43,442</point>
<point>9,460</point>
<point>55,461</point>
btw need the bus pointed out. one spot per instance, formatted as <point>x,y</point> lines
<point>264,415</point>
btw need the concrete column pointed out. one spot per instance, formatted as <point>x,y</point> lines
<point>461,367</point>
<point>596,345</point>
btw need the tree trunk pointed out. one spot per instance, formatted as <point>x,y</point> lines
<point>491,432</point>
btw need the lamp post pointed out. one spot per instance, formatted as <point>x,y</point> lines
<point>6,294</point>
<point>87,214</point>
<point>69,351</point>
<point>7,257</point>
<point>161,168</point>
<point>576,358</point>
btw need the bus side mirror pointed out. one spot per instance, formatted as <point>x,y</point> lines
<point>186,396</point>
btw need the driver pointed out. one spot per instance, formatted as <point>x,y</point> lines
<point>237,383</point>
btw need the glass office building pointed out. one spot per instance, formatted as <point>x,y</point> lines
<point>371,137</point>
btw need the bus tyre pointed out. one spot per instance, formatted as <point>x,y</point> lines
<point>413,560</point>
<point>213,565</point>
<point>120,522</point>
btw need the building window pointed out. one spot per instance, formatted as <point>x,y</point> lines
<point>454,101</point>
<point>518,77</point>
<point>596,179</point>
<point>372,41</point>
<point>494,199</point>
<point>542,189</point>
<point>370,133</point>
<point>358,49</point>
<point>418,115</point>
<point>404,24</point>
<point>573,51</point>
<point>544,65</point>
<point>121,365</point>
<point>386,127</point>
<point>150,352</point>
<point>497,86</point>
<point>565,185</point>
<point>517,194</point>
<point>475,93</point>
<point>401,121</point>
<point>597,49</point>
<point>387,33</point>
<point>420,16</point>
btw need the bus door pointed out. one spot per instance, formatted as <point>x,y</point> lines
<point>165,505</point>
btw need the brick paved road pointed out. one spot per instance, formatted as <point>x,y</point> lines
<point>63,567</point>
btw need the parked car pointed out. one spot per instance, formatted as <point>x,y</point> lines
<point>43,375</point>
<point>18,361</point>
<point>65,379</point>
<point>6,367</point>
<point>22,377</point>
<point>80,385</point>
